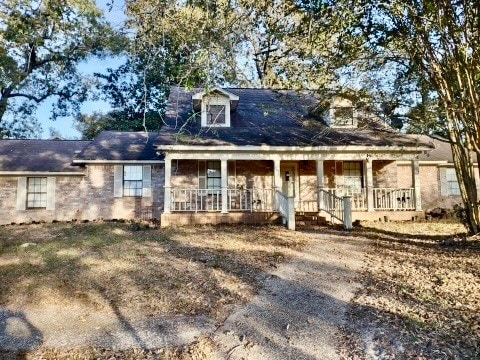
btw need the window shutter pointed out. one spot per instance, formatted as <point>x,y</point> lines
<point>443,181</point>
<point>202,177</point>
<point>147,181</point>
<point>22,193</point>
<point>118,181</point>
<point>51,193</point>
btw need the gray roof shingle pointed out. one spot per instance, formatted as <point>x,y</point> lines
<point>441,152</point>
<point>40,155</point>
<point>270,117</point>
<point>121,145</point>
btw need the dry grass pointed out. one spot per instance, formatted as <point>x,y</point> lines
<point>421,294</point>
<point>198,350</point>
<point>188,271</point>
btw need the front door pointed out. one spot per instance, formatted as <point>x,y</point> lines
<point>288,180</point>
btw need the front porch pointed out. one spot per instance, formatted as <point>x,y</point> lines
<point>223,190</point>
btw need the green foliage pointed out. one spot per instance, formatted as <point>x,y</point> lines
<point>90,125</point>
<point>436,46</point>
<point>254,43</point>
<point>40,45</point>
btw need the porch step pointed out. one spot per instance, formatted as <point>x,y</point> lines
<point>308,219</point>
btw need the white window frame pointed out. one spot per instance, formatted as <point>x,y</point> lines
<point>129,191</point>
<point>453,188</point>
<point>42,186</point>
<point>210,179</point>
<point>334,120</point>
<point>351,189</point>
<point>208,101</point>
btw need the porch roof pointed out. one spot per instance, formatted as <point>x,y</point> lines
<point>273,118</point>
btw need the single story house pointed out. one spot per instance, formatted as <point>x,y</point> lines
<point>230,155</point>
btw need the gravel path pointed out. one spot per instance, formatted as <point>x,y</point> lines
<point>300,309</point>
<point>54,327</point>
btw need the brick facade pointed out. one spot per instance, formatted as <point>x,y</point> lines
<point>430,185</point>
<point>88,197</point>
<point>384,174</point>
<point>91,196</point>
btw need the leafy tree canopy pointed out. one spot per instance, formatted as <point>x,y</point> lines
<point>91,125</point>
<point>435,46</point>
<point>41,44</point>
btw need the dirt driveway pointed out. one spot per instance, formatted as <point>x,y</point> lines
<point>298,313</point>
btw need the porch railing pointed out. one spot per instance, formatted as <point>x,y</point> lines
<point>196,200</point>
<point>251,199</point>
<point>394,199</point>
<point>339,208</point>
<point>358,198</point>
<point>307,205</point>
<point>331,203</point>
<point>258,199</point>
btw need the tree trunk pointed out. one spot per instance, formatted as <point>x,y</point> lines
<point>465,170</point>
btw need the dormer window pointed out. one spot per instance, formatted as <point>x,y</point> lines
<point>216,114</point>
<point>343,116</point>
<point>342,113</point>
<point>215,106</point>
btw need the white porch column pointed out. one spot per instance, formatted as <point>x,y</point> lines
<point>224,185</point>
<point>168,185</point>
<point>277,178</point>
<point>369,178</point>
<point>416,185</point>
<point>320,184</point>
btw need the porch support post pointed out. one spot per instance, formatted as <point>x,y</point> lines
<point>168,186</point>
<point>416,185</point>
<point>224,185</point>
<point>277,178</point>
<point>320,184</point>
<point>369,178</point>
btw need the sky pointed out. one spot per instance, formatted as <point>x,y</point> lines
<point>65,125</point>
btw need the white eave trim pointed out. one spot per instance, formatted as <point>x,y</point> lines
<point>77,161</point>
<point>41,173</point>
<point>441,163</point>
<point>425,162</point>
<point>267,148</point>
<point>200,95</point>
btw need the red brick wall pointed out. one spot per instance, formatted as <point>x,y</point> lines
<point>384,174</point>
<point>88,197</point>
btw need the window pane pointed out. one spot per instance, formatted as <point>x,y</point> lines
<point>132,188</point>
<point>133,172</point>
<point>37,192</point>
<point>213,169</point>
<point>343,116</point>
<point>214,176</point>
<point>216,114</point>
<point>452,183</point>
<point>352,177</point>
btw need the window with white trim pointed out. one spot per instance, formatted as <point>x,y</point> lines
<point>352,177</point>
<point>36,193</point>
<point>216,114</point>
<point>214,175</point>
<point>452,183</point>
<point>343,116</point>
<point>132,180</point>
